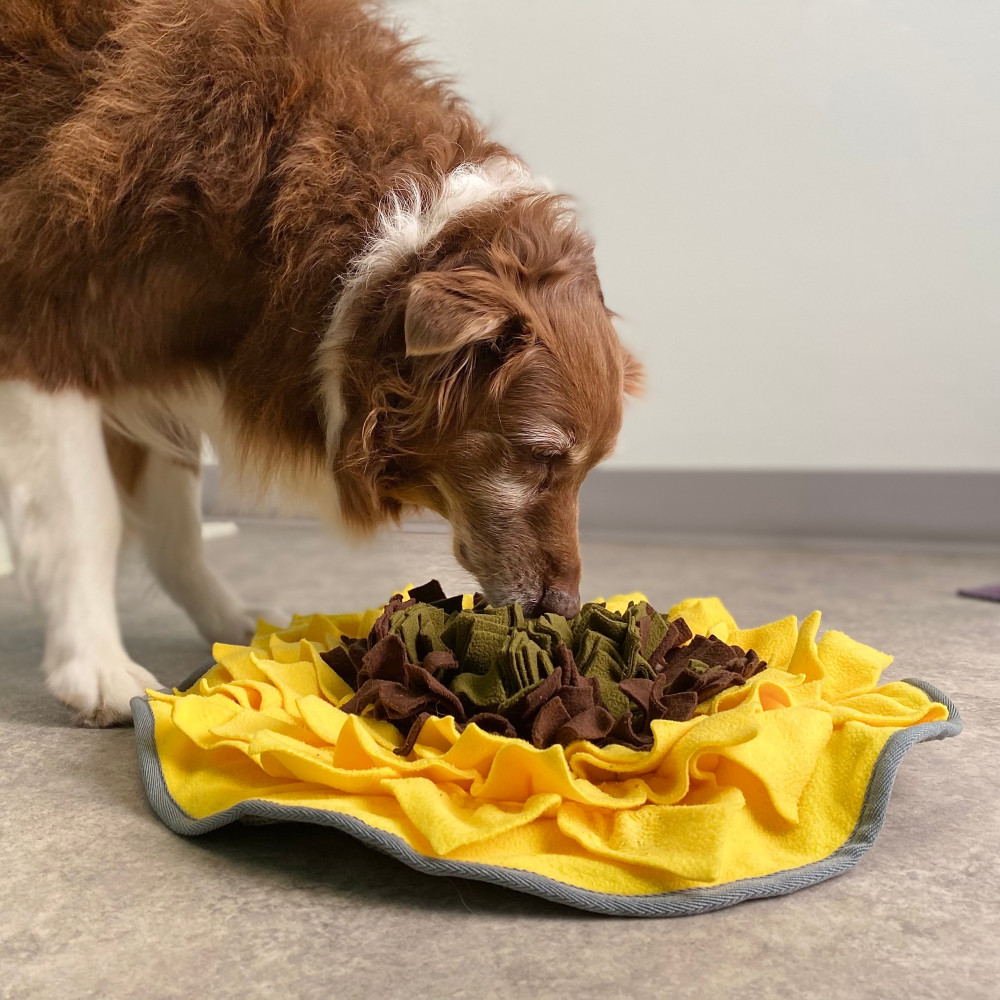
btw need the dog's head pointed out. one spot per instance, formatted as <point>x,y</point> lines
<point>506,389</point>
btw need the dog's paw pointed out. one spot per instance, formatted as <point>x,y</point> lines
<point>273,616</point>
<point>238,626</point>
<point>235,627</point>
<point>99,690</point>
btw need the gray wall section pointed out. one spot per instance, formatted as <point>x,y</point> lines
<point>958,507</point>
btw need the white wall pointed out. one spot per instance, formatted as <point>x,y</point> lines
<point>796,207</point>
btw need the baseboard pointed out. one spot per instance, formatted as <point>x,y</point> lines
<point>962,507</point>
<point>949,507</point>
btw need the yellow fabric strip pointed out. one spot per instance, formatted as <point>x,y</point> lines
<point>766,777</point>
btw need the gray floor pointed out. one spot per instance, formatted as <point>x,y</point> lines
<point>98,899</point>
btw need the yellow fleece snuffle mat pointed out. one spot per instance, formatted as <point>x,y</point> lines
<point>623,762</point>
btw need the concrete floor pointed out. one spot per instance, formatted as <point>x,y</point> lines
<point>98,899</point>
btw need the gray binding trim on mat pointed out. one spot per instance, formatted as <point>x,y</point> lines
<point>680,902</point>
<point>192,679</point>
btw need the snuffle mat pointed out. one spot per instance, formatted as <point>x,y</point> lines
<point>624,762</point>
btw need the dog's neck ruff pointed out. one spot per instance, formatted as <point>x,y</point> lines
<point>407,222</point>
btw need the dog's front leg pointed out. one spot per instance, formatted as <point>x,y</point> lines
<point>64,520</point>
<point>165,504</point>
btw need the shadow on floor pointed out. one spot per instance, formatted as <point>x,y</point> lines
<point>316,857</point>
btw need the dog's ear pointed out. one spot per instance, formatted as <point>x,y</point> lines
<point>449,310</point>
<point>634,375</point>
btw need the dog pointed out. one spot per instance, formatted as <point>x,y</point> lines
<point>269,222</point>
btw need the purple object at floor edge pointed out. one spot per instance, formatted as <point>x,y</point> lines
<point>991,592</point>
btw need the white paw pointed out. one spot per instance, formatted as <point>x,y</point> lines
<point>234,627</point>
<point>238,626</point>
<point>99,690</point>
<point>273,616</point>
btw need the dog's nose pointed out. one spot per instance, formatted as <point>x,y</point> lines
<point>559,602</point>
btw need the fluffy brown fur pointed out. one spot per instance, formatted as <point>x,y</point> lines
<point>183,188</point>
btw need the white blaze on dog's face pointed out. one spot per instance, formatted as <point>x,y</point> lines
<point>537,384</point>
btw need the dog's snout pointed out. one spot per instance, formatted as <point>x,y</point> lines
<point>559,602</point>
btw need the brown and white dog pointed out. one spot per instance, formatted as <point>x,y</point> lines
<point>265,220</point>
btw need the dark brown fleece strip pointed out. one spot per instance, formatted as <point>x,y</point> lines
<point>603,676</point>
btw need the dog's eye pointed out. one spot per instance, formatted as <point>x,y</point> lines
<point>546,456</point>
